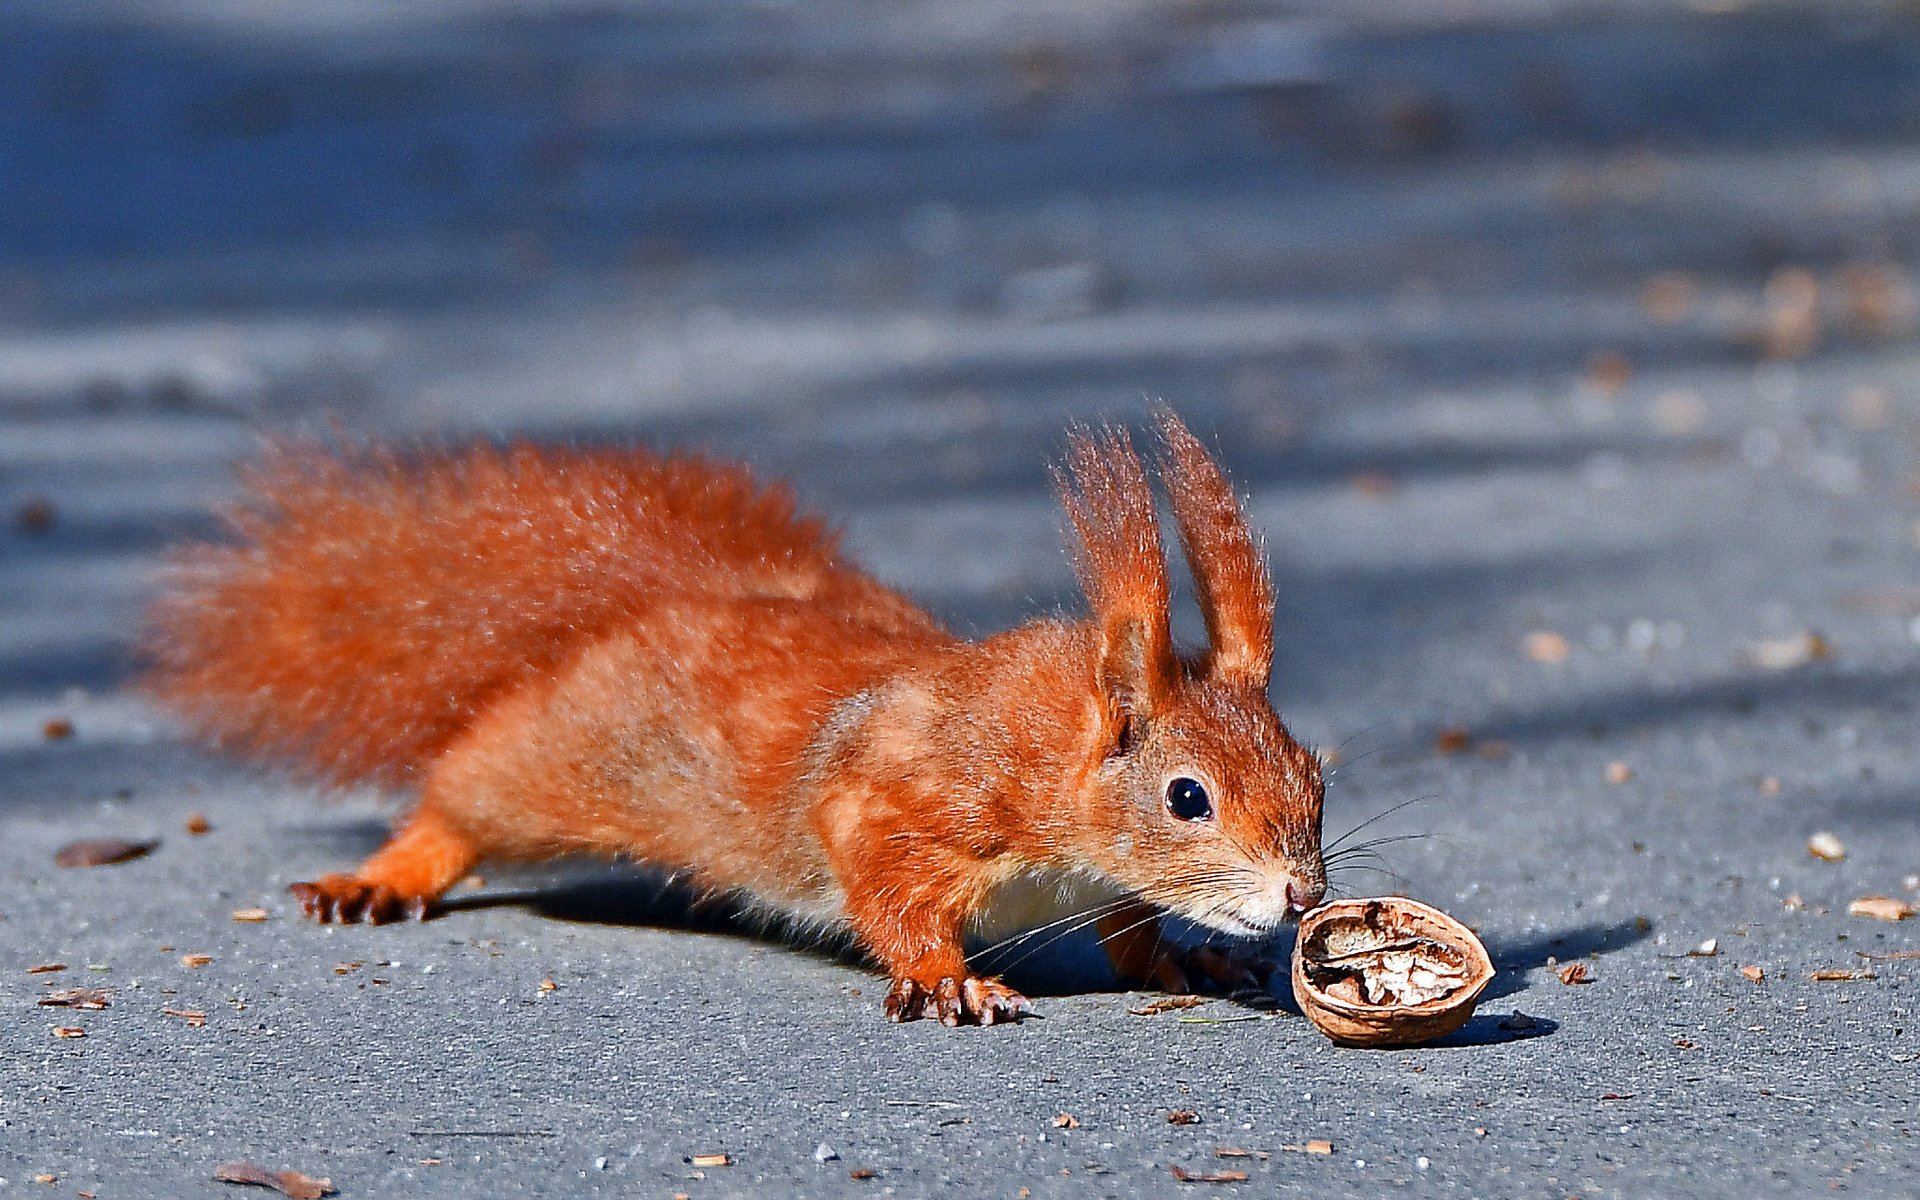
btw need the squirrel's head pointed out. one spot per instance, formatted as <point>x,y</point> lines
<point>1211,809</point>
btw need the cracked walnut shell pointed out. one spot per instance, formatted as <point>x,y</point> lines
<point>1387,971</point>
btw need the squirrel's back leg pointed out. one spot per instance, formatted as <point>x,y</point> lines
<point>1140,953</point>
<point>424,858</point>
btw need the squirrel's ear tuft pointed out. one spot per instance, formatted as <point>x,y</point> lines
<point>1229,571</point>
<point>1121,565</point>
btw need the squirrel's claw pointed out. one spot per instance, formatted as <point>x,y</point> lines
<point>346,900</point>
<point>969,1001</point>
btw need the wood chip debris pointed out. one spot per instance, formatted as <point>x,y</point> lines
<point>1316,1146</point>
<point>712,1160</point>
<point>1619,773</point>
<point>1899,600</point>
<point>1545,646</point>
<point>46,968</point>
<point>194,1018</point>
<point>80,997</point>
<point>1183,1116</point>
<point>198,824</point>
<point>1186,1176</point>
<point>1374,485</point>
<point>1066,1121</point>
<point>1786,653</point>
<point>68,1031</point>
<point>1607,372</point>
<point>1840,975</point>
<point>1707,949</point>
<point>1827,847</point>
<point>1575,973</point>
<point>100,852</point>
<point>195,961</point>
<point>1241,1152</point>
<point>1880,908</point>
<point>862,1173</point>
<point>1154,1008</point>
<point>287,1183</point>
<point>1667,298</point>
<point>1754,973</point>
<point>1679,412</point>
<point>250,915</point>
<point>56,730</point>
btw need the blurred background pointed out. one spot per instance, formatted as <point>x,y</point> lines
<point>1589,319</point>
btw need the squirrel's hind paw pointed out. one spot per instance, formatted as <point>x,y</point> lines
<point>1212,968</point>
<point>346,900</point>
<point>969,1001</point>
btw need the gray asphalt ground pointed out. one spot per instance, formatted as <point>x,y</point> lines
<point>1567,351</point>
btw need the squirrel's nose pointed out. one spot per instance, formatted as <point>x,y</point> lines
<point>1301,897</point>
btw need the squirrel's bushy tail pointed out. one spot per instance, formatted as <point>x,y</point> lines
<point>371,602</point>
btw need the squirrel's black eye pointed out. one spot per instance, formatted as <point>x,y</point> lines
<point>1189,801</point>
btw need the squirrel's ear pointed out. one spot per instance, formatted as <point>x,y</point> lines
<point>1122,567</point>
<point>1229,571</point>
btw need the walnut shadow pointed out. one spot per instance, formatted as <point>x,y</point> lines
<point>1514,957</point>
<point>1494,1029</point>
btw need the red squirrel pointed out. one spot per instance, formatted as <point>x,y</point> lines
<point>621,654</point>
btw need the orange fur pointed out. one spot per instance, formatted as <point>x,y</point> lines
<point>372,606</point>
<point>618,654</point>
<point>1229,572</point>
<point>1121,565</point>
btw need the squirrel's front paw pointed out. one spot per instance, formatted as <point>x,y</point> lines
<point>1211,968</point>
<point>969,1001</point>
<point>348,900</point>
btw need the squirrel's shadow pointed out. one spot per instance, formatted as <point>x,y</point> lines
<point>641,897</point>
<point>1067,965</point>
<point>643,900</point>
<point>1046,965</point>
